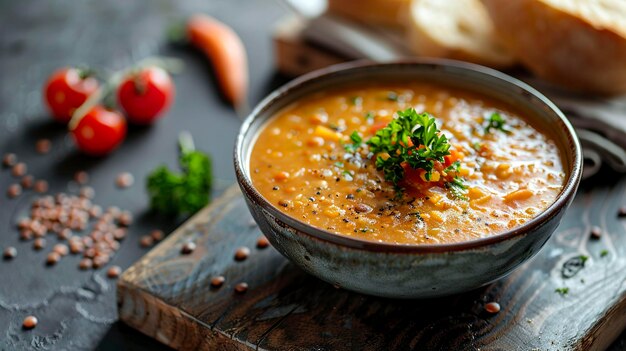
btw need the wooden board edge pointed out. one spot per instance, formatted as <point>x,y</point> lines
<point>167,324</point>
<point>607,328</point>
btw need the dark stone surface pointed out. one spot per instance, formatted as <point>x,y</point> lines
<point>76,309</point>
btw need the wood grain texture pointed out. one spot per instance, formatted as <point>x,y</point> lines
<point>168,296</point>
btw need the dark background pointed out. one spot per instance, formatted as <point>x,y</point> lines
<point>77,309</point>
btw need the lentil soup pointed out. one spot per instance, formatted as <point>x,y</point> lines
<point>320,161</point>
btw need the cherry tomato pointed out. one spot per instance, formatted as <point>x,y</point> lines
<point>146,94</point>
<point>67,89</point>
<point>100,131</point>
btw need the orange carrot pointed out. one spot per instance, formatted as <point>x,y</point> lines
<point>227,54</point>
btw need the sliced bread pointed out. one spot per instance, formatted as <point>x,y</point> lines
<point>459,29</point>
<point>579,44</point>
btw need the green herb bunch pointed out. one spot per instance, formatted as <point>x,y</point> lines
<point>185,193</point>
<point>393,148</point>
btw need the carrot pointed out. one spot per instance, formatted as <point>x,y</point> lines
<point>227,54</point>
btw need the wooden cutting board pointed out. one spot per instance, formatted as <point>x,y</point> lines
<point>167,295</point>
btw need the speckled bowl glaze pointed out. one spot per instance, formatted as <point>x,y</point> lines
<point>410,271</point>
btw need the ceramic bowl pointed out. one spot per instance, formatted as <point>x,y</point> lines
<point>410,271</point>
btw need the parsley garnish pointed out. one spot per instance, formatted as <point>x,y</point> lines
<point>457,188</point>
<point>369,115</point>
<point>562,291</point>
<point>496,122</point>
<point>357,141</point>
<point>182,193</point>
<point>455,166</point>
<point>604,253</point>
<point>393,148</point>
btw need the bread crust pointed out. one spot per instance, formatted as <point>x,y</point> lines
<point>484,47</point>
<point>561,47</point>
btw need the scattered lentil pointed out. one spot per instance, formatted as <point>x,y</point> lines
<point>492,307</point>
<point>19,169</point>
<point>100,260</point>
<point>596,232</point>
<point>146,241</point>
<point>242,253</point>
<point>217,281</point>
<point>76,247</point>
<point>30,322</point>
<point>39,243</point>
<point>188,248</point>
<point>81,177</point>
<point>262,242</point>
<point>124,180</point>
<point>27,181</point>
<point>14,191</point>
<point>26,234</point>
<point>241,288</point>
<point>157,235</point>
<point>61,249</point>
<point>125,218</point>
<point>9,253</point>
<point>85,263</point>
<point>41,186</point>
<point>53,258</point>
<point>9,160</point>
<point>43,146</point>
<point>114,272</point>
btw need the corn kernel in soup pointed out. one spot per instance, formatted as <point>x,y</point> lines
<point>491,172</point>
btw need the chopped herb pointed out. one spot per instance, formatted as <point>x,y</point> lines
<point>583,258</point>
<point>457,188</point>
<point>562,291</point>
<point>393,145</point>
<point>363,230</point>
<point>182,193</point>
<point>477,146</point>
<point>357,141</point>
<point>496,122</point>
<point>347,175</point>
<point>339,164</point>
<point>604,253</point>
<point>356,100</point>
<point>454,167</point>
<point>370,115</point>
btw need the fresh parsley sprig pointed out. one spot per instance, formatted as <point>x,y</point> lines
<point>185,193</point>
<point>412,138</point>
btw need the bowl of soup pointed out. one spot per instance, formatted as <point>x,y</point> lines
<point>407,179</point>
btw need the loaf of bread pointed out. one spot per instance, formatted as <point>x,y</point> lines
<point>579,44</point>
<point>458,29</point>
<point>377,12</point>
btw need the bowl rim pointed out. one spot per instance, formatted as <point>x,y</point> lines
<point>567,193</point>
